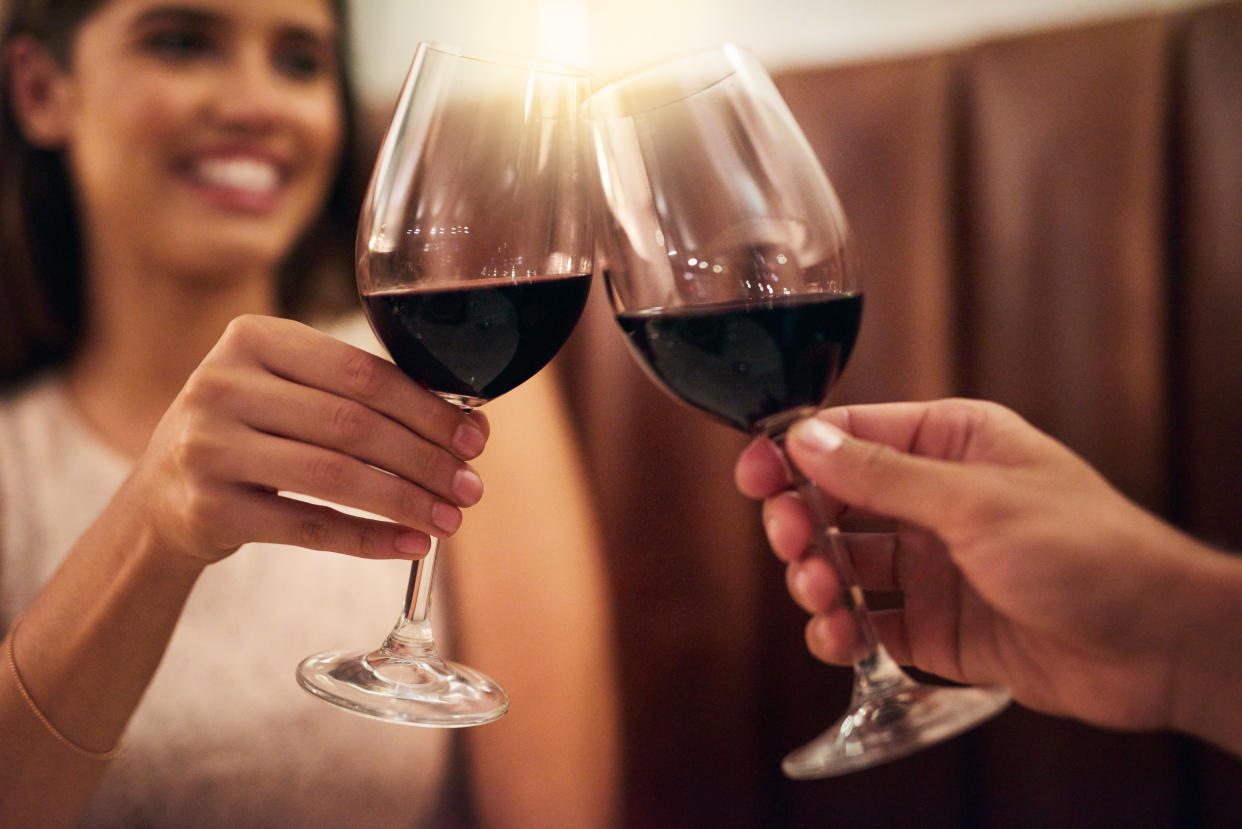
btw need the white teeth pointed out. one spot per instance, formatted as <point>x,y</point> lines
<point>239,174</point>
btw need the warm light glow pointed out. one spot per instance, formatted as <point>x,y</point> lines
<point>564,31</point>
<point>619,35</point>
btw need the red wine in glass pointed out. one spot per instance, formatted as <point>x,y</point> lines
<point>752,365</point>
<point>472,341</point>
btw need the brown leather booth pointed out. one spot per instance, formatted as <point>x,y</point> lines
<point>1052,220</point>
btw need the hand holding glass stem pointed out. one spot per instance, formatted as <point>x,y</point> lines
<point>1018,563</point>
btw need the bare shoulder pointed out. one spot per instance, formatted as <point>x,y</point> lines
<point>537,404</point>
<point>530,429</point>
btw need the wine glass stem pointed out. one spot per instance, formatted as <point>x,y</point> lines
<point>418,594</point>
<point>412,636</point>
<point>875,672</point>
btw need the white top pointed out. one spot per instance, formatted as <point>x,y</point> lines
<point>224,735</point>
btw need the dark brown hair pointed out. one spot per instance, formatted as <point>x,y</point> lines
<point>41,285</point>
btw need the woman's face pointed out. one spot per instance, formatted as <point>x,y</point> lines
<point>203,134</point>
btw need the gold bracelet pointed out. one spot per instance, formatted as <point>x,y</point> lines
<point>34,709</point>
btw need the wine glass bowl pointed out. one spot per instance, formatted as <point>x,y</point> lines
<point>711,232</point>
<point>474,258</point>
<point>725,253</point>
<point>474,250</point>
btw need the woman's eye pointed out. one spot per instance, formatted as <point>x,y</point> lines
<point>177,44</point>
<point>301,64</point>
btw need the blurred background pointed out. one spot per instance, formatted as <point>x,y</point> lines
<point>611,36</point>
<point>1046,204</point>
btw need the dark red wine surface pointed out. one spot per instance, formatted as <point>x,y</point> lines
<point>474,341</point>
<point>749,364</point>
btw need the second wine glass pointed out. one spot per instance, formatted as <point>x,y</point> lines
<point>725,259</point>
<point>474,259</point>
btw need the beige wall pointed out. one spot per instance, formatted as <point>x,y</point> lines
<point>608,36</point>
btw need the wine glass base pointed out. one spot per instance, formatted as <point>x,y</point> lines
<point>394,689</point>
<point>892,726</point>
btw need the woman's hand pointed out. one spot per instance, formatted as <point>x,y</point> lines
<point>1019,564</point>
<point>277,407</point>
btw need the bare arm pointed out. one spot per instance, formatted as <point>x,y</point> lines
<point>534,612</point>
<point>86,656</point>
<point>275,407</point>
<point>1208,652</point>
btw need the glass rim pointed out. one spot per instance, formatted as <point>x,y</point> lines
<point>516,61</point>
<point>730,54</point>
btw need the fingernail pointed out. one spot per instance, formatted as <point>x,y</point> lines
<point>819,630</point>
<point>801,584</point>
<point>446,517</point>
<point>468,441</point>
<point>467,487</point>
<point>817,435</point>
<point>412,544</point>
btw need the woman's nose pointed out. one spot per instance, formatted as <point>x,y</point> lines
<point>251,94</point>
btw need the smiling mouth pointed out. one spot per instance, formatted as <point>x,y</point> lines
<point>242,175</point>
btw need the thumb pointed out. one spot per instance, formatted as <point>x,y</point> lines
<point>875,477</point>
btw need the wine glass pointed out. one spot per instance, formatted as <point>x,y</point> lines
<point>474,259</point>
<point>724,254</point>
